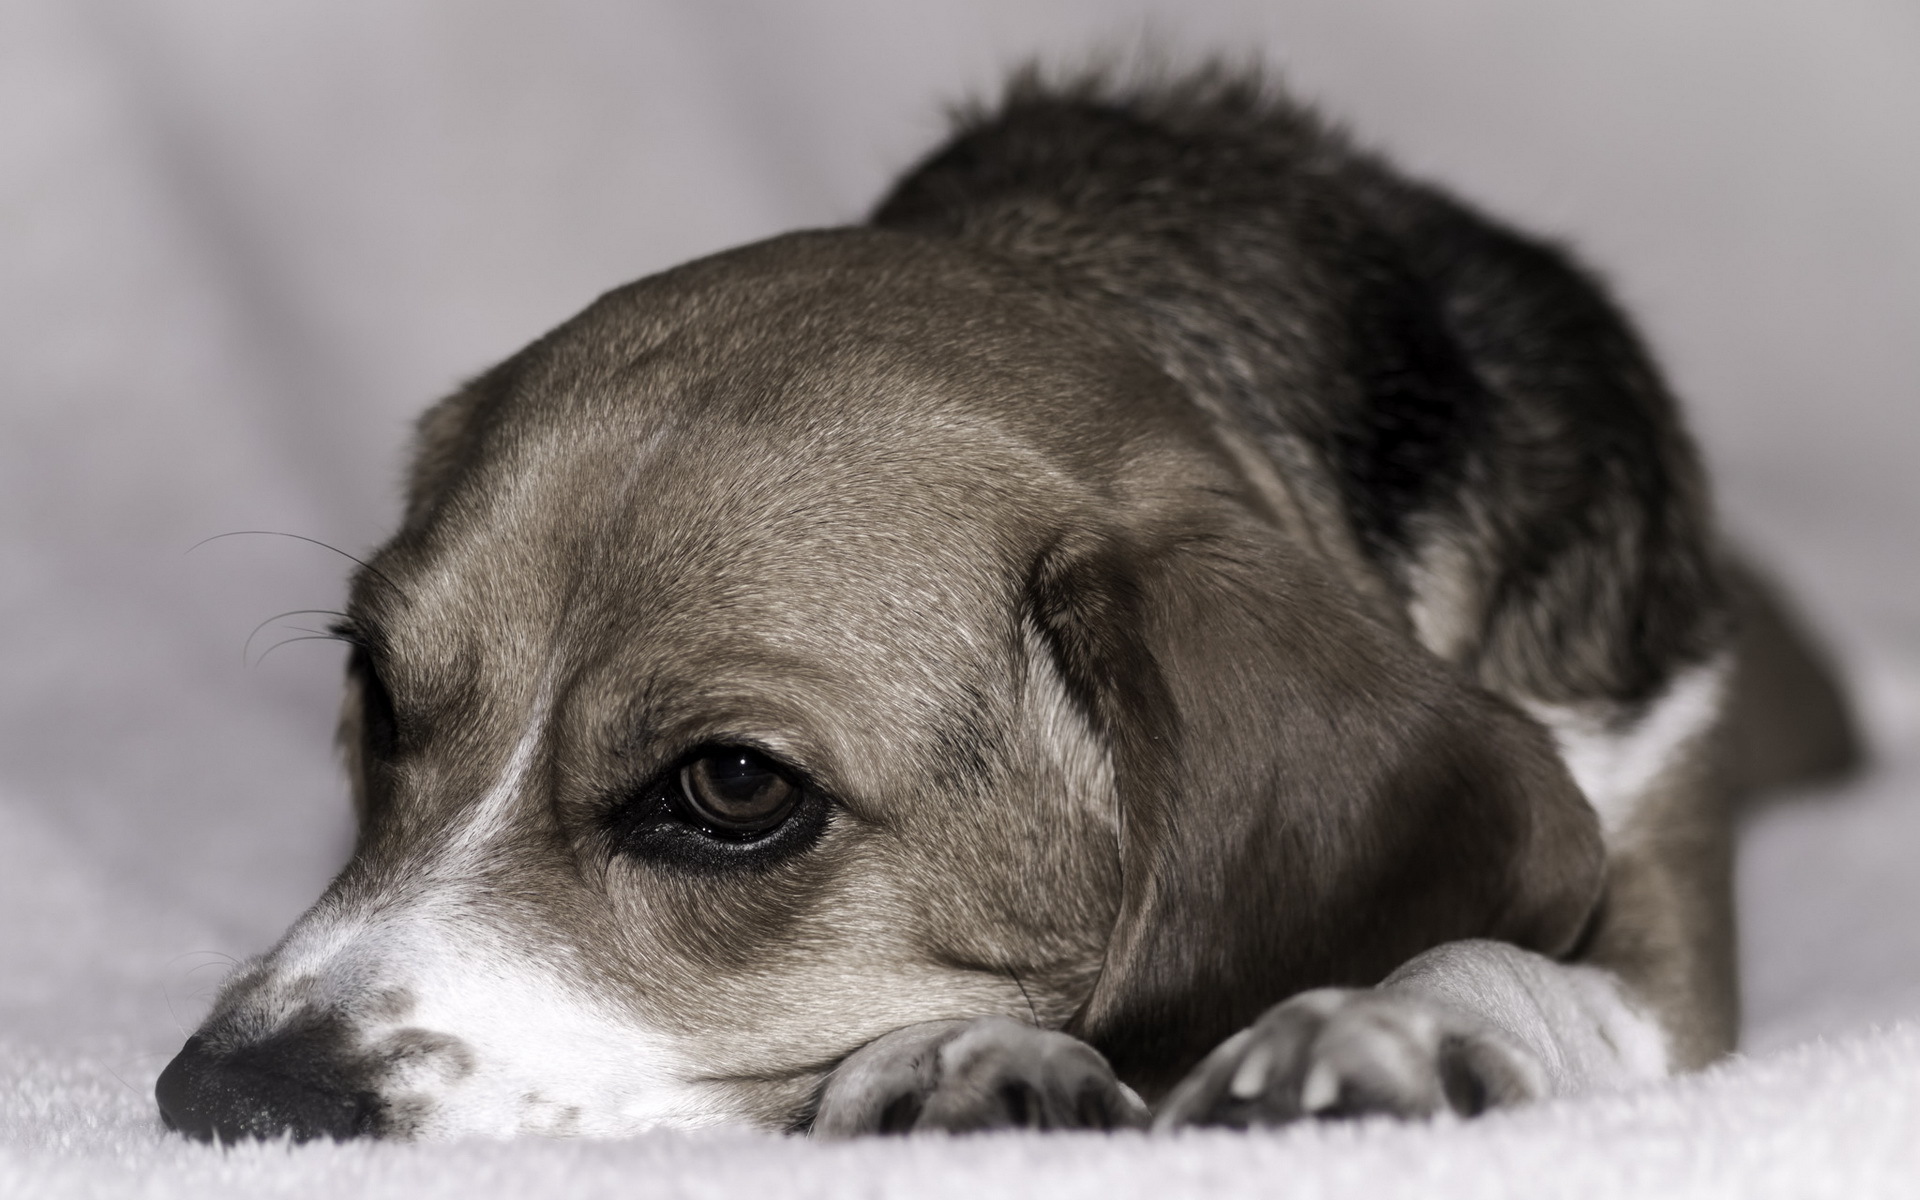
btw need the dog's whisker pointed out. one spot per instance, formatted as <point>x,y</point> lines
<point>166,993</point>
<point>366,566</point>
<point>316,637</point>
<point>141,1092</point>
<point>218,958</point>
<point>219,954</point>
<point>247,645</point>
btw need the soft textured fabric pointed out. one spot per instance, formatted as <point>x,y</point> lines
<point>241,244</point>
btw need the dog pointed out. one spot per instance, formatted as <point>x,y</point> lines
<point>1170,623</point>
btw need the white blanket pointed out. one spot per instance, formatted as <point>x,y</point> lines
<point>240,244</point>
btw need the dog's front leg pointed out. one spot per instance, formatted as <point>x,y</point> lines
<point>1464,1027</point>
<point>969,1076</point>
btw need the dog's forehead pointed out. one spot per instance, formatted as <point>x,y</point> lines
<point>785,466</point>
<point>690,509</point>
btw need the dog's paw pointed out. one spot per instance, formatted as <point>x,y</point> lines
<point>1349,1053</point>
<point>972,1076</point>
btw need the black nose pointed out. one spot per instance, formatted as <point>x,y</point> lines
<point>294,1083</point>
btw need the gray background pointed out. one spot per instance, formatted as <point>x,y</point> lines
<point>241,244</point>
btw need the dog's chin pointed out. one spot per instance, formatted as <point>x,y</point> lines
<point>505,1106</point>
<point>587,1079</point>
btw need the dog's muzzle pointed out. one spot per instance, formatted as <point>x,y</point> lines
<point>292,1084</point>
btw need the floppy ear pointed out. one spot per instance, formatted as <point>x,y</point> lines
<point>1307,797</point>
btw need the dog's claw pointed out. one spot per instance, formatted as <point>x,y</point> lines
<point>973,1076</point>
<point>1350,1053</point>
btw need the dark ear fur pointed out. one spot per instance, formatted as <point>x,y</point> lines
<point>1307,797</point>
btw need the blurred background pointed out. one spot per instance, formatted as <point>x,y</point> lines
<point>242,244</point>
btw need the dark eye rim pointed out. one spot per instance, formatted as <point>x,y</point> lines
<point>657,824</point>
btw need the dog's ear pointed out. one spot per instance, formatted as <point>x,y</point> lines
<point>1307,798</point>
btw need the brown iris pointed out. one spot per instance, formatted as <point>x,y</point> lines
<point>738,791</point>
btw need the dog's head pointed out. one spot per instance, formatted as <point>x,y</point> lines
<point>842,633</point>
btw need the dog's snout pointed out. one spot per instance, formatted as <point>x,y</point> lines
<point>291,1084</point>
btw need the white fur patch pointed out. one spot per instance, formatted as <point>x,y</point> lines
<point>490,815</point>
<point>1617,764</point>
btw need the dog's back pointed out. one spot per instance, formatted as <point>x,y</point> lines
<point>1491,441</point>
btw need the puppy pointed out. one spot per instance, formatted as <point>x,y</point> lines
<point>1169,621</point>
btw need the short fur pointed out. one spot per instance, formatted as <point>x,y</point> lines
<point>1168,545</point>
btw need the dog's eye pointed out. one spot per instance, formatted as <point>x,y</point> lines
<point>722,808</point>
<point>738,790</point>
